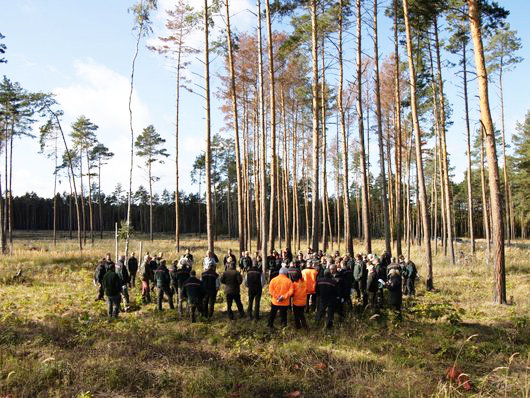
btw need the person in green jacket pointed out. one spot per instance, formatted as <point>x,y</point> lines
<point>112,286</point>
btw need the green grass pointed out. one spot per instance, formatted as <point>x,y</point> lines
<point>55,341</point>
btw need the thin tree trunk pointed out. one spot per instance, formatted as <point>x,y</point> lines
<point>90,210</point>
<point>485,201</point>
<point>177,109</point>
<point>150,203</point>
<point>10,214</point>
<point>386,218</point>
<point>324,146</point>
<point>99,200</point>
<point>493,171</point>
<point>345,179</point>
<point>315,219</point>
<point>263,149</point>
<point>364,171</point>
<point>209,214</point>
<point>397,133</point>
<point>306,198</point>
<point>83,213</point>
<point>443,147</point>
<point>468,139</point>
<point>419,160</point>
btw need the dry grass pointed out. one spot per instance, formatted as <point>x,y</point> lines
<point>56,341</point>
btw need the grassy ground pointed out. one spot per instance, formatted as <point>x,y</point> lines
<point>56,341</point>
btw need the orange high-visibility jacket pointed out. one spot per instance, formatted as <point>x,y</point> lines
<point>281,285</point>
<point>300,293</point>
<point>309,275</point>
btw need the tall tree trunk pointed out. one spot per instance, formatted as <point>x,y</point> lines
<point>485,201</point>
<point>177,109</point>
<point>443,147</point>
<point>306,198</point>
<point>386,218</point>
<point>209,213</point>
<point>397,132</point>
<point>150,203</point>
<point>240,227</point>
<point>90,209</point>
<point>263,148</point>
<point>54,192</point>
<point>468,140</point>
<point>83,209</point>
<point>100,207</point>
<point>435,191</point>
<point>364,171</point>
<point>315,219</point>
<point>324,145</point>
<point>345,179</point>
<point>493,171</point>
<point>10,213</point>
<point>419,160</point>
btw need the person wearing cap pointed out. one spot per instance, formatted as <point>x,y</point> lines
<point>327,290</point>
<point>112,285</point>
<point>132,266</point>
<point>309,275</point>
<point>194,293</point>
<point>281,289</point>
<point>210,286</point>
<point>232,280</point>
<point>163,280</point>
<point>299,301</point>
<point>254,280</point>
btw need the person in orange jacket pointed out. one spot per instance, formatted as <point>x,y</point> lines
<point>280,289</point>
<point>309,275</point>
<point>299,301</point>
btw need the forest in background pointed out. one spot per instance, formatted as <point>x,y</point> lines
<point>293,166</point>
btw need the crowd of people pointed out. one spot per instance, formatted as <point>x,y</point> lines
<point>310,282</point>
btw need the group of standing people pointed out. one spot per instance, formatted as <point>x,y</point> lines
<point>310,282</point>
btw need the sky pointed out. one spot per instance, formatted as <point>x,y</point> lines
<point>82,52</point>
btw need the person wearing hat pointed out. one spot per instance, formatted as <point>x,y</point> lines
<point>210,286</point>
<point>163,281</point>
<point>281,289</point>
<point>112,285</point>
<point>194,293</point>
<point>299,301</point>
<point>309,275</point>
<point>328,292</point>
<point>232,280</point>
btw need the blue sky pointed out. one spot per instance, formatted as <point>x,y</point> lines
<point>81,50</point>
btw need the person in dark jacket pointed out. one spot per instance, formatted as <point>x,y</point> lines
<point>381,271</point>
<point>346,285</point>
<point>255,280</point>
<point>294,272</point>
<point>232,279</point>
<point>210,286</point>
<point>287,255</point>
<point>189,256</point>
<point>258,261</point>
<point>132,266</point>
<point>99,273</point>
<point>358,270</point>
<point>411,274</point>
<point>245,262</point>
<point>180,277</point>
<point>121,271</point>
<point>163,280</point>
<point>112,285</point>
<point>230,256</point>
<point>372,285</point>
<point>395,294</point>
<point>147,276</point>
<point>194,293</point>
<point>327,290</point>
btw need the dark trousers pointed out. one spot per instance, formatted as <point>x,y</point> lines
<point>347,301</point>
<point>283,314</point>
<point>132,282</point>
<point>209,304</point>
<point>356,286</point>
<point>311,302</point>
<point>167,291</point>
<point>328,308</point>
<point>381,296</point>
<point>372,300</point>
<point>254,299</point>
<point>101,292</point>
<point>299,317</point>
<point>113,303</point>
<point>411,289</point>
<point>192,309</point>
<point>237,298</point>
